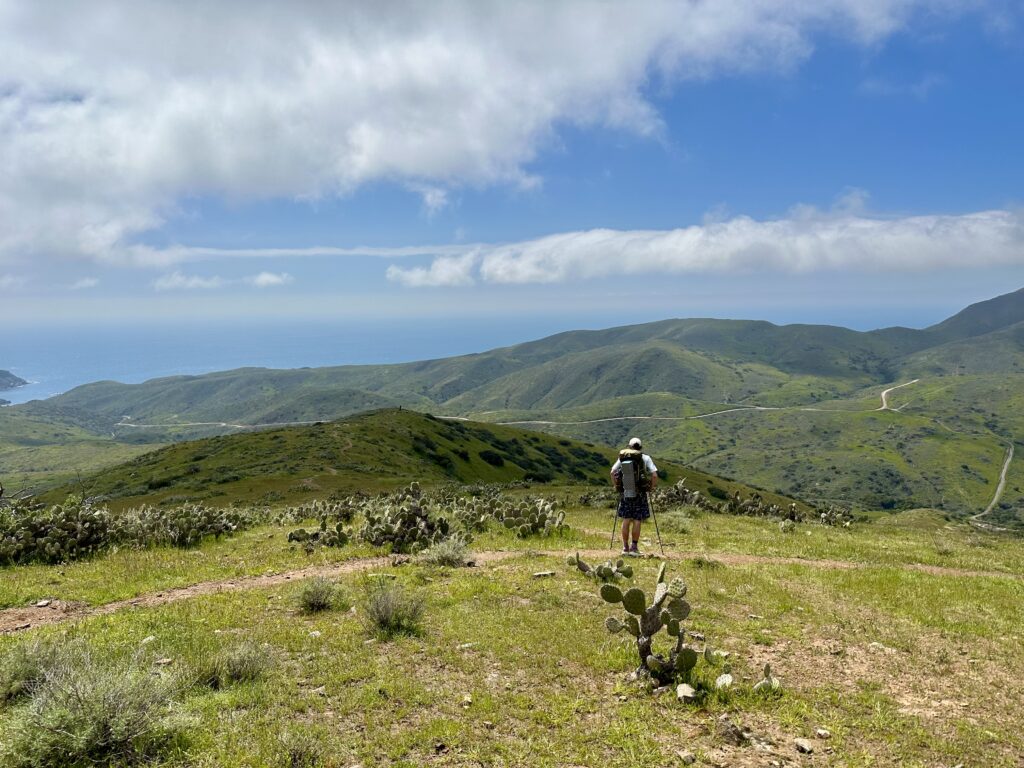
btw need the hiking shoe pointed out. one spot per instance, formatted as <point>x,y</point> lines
<point>625,550</point>
<point>634,550</point>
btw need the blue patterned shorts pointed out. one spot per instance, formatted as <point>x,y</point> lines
<point>636,508</point>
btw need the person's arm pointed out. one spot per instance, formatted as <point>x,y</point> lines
<point>652,471</point>
<point>616,467</point>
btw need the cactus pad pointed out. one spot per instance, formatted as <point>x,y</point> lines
<point>634,601</point>
<point>678,608</point>
<point>611,594</point>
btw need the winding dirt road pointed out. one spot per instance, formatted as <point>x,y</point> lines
<point>885,395</point>
<point>741,409</point>
<point>975,519</point>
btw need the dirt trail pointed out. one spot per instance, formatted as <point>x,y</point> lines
<point>975,519</point>
<point>885,395</point>
<point>739,409</point>
<point>58,611</point>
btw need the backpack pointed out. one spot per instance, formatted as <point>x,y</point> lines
<point>633,479</point>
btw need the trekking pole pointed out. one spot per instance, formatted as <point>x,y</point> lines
<point>650,503</point>
<point>615,519</point>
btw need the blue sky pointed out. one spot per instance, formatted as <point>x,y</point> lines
<point>856,162</point>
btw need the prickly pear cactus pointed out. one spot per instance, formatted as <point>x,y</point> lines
<point>324,536</point>
<point>471,514</point>
<point>606,572</point>
<point>768,683</point>
<point>404,523</point>
<point>530,518</point>
<point>645,618</point>
<point>61,533</point>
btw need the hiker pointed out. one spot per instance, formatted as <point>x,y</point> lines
<point>633,485</point>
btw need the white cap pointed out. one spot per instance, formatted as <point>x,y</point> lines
<point>634,442</point>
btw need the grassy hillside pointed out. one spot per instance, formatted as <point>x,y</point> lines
<point>369,452</point>
<point>41,451</point>
<point>673,369</point>
<point>900,638</point>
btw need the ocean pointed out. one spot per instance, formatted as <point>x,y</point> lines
<point>56,360</point>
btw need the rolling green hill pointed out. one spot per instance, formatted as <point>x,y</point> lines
<point>673,369</point>
<point>368,452</point>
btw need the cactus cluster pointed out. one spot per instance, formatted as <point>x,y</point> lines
<point>325,535</point>
<point>530,518</point>
<point>644,620</point>
<point>471,514</point>
<point>404,522</point>
<point>63,532</point>
<point>607,572</point>
<point>755,506</point>
<point>183,526</point>
<point>835,516</point>
<point>342,511</point>
<point>75,529</point>
<point>331,517</point>
<point>599,498</point>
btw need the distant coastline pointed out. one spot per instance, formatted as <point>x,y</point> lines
<point>9,381</point>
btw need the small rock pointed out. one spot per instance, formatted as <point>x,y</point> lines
<point>163,662</point>
<point>20,627</point>
<point>804,746</point>
<point>371,641</point>
<point>696,635</point>
<point>315,633</point>
<point>877,647</point>
<point>321,691</point>
<point>686,758</point>
<point>43,603</point>
<point>754,616</point>
<point>543,574</point>
<point>662,689</point>
<point>723,682</point>
<point>732,733</point>
<point>440,747</point>
<point>464,646</point>
<point>467,701</point>
<point>686,692</point>
<point>488,725</point>
<point>823,733</point>
<point>148,640</point>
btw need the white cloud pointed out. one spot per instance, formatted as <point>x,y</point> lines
<point>806,241</point>
<point>85,284</point>
<point>269,279</point>
<point>112,112</point>
<point>443,271</point>
<point>177,281</point>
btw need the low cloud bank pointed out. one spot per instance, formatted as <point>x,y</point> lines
<point>804,242</point>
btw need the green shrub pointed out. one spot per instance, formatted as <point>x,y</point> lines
<point>492,458</point>
<point>451,552</point>
<point>321,594</point>
<point>23,667</point>
<point>718,493</point>
<point>242,663</point>
<point>676,521</point>
<point>301,750</point>
<point>390,610</point>
<point>88,712</point>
